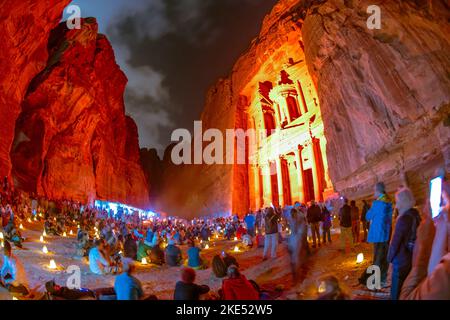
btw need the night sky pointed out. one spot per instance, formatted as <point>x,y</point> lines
<point>172,51</point>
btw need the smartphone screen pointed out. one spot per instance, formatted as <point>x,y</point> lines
<point>435,196</point>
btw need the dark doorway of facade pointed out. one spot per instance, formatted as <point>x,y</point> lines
<point>308,185</point>
<point>287,197</point>
<point>274,185</point>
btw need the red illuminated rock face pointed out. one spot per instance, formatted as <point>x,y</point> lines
<point>384,98</point>
<point>73,139</point>
<point>384,94</point>
<point>196,190</point>
<point>25,27</point>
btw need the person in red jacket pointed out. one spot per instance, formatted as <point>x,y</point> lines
<point>237,287</point>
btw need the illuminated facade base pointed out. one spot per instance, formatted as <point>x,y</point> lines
<point>289,162</point>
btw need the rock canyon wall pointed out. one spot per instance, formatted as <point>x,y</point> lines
<point>25,28</point>
<point>383,96</point>
<point>72,139</point>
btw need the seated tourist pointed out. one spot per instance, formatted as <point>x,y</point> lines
<point>155,239</point>
<point>157,255</point>
<point>186,289</point>
<point>220,264</point>
<point>83,243</point>
<point>98,262</point>
<point>194,260</point>
<point>173,254</point>
<point>330,289</point>
<point>149,237</point>
<point>50,228</point>
<point>143,250</point>
<point>126,286</point>
<point>12,234</point>
<point>69,294</point>
<point>247,240</point>
<point>13,275</point>
<point>237,287</point>
<point>130,247</point>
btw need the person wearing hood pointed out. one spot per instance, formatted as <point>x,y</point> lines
<point>237,287</point>
<point>404,237</point>
<point>380,217</point>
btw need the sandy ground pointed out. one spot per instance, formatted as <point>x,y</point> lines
<point>161,280</point>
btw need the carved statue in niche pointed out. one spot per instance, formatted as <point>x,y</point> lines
<point>284,78</point>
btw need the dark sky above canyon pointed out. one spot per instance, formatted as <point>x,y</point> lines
<point>171,52</point>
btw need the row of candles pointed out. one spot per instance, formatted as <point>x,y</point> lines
<point>52,265</point>
<point>236,249</point>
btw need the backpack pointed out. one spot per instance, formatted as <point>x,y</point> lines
<point>219,267</point>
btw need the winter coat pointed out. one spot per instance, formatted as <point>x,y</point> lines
<point>380,217</point>
<point>402,244</point>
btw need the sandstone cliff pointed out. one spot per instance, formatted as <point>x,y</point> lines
<point>384,97</point>
<point>25,28</point>
<point>72,139</point>
<point>384,94</point>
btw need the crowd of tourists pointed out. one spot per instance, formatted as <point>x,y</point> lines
<point>114,241</point>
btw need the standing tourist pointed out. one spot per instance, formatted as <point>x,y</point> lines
<point>271,237</point>
<point>326,224</point>
<point>355,221</point>
<point>380,217</point>
<point>434,283</point>
<point>345,222</point>
<point>364,222</point>
<point>314,216</point>
<point>250,224</point>
<point>403,239</point>
<point>298,242</point>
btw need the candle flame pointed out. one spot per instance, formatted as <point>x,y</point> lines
<point>44,249</point>
<point>144,261</point>
<point>360,258</point>
<point>236,249</point>
<point>52,264</point>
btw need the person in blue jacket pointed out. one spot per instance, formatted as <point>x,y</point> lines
<point>250,223</point>
<point>126,286</point>
<point>380,217</point>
